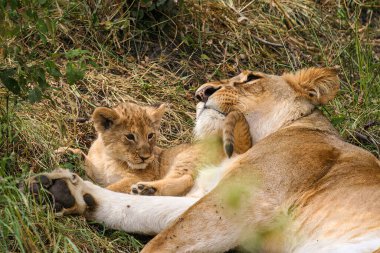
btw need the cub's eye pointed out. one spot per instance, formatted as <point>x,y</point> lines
<point>252,77</point>
<point>130,137</point>
<point>150,136</point>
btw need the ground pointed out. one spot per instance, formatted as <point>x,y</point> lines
<point>152,53</point>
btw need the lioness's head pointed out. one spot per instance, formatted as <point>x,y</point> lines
<point>129,132</point>
<point>268,101</point>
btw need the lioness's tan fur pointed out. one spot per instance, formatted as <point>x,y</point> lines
<point>299,168</point>
<point>300,188</point>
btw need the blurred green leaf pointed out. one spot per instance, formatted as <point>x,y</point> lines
<point>341,13</point>
<point>31,14</point>
<point>336,120</point>
<point>205,57</point>
<point>52,69</point>
<point>14,4</point>
<point>73,73</point>
<point>75,53</point>
<point>38,75</point>
<point>9,82</point>
<point>3,3</point>
<point>34,95</point>
<point>41,26</point>
<point>68,166</point>
<point>160,2</point>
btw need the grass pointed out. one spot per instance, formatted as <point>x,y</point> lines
<point>164,57</point>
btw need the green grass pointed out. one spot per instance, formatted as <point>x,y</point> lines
<point>164,57</point>
<point>27,226</point>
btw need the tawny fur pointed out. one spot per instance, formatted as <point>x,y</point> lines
<point>205,152</point>
<point>184,168</point>
<point>114,160</point>
<point>236,126</point>
<point>126,145</point>
<point>300,188</point>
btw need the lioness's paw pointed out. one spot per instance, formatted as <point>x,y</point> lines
<point>143,189</point>
<point>65,190</point>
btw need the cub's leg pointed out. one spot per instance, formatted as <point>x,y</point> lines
<point>75,151</point>
<point>180,178</point>
<point>236,134</point>
<point>169,186</point>
<point>125,184</point>
<point>177,182</point>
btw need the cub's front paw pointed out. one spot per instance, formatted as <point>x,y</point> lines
<point>143,189</point>
<point>65,190</point>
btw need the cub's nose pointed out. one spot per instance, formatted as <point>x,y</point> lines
<point>203,93</point>
<point>144,157</point>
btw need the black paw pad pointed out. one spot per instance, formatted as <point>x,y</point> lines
<point>39,181</point>
<point>57,207</point>
<point>61,193</point>
<point>141,189</point>
<point>39,192</point>
<point>147,190</point>
<point>44,181</point>
<point>90,201</point>
<point>34,188</point>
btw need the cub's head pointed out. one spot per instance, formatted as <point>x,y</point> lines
<point>129,132</point>
<point>269,101</point>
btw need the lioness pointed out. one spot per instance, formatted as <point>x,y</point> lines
<point>298,168</point>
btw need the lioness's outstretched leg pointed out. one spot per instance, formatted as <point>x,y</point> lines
<point>135,214</point>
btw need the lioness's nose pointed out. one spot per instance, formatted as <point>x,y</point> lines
<point>204,93</point>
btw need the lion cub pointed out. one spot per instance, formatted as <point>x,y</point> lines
<point>126,144</point>
<point>205,152</point>
<point>125,156</point>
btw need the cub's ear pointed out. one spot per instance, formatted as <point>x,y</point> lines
<point>104,118</point>
<point>319,85</point>
<point>156,113</point>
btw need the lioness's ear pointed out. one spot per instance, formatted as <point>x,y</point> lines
<point>156,113</point>
<point>319,85</point>
<point>104,118</point>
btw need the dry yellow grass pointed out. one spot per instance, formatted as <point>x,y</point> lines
<point>163,61</point>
